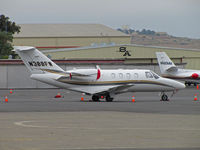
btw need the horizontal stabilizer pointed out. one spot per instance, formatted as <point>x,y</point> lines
<point>23,48</point>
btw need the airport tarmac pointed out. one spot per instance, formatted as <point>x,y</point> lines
<point>35,120</point>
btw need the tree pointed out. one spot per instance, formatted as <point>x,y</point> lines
<point>5,44</point>
<point>7,29</point>
<point>8,26</point>
<point>126,31</point>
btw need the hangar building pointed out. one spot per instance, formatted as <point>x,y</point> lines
<point>47,36</point>
<point>130,54</point>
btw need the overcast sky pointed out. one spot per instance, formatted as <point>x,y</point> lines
<point>176,17</point>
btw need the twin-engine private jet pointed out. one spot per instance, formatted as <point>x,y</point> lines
<point>169,70</point>
<point>95,82</point>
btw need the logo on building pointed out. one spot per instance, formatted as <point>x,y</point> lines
<point>125,51</point>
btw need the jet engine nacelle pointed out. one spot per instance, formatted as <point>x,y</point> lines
<point>84,74</point>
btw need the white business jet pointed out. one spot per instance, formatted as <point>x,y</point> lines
<point>169,70</point>
<point>95,82</point>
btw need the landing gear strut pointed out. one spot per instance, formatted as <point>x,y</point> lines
<point>108,98</point>
<point>164,97</point>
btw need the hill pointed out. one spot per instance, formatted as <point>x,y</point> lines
<point>165,40</point>
<point>152,38</point>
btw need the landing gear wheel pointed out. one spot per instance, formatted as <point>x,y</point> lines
<point>109,99</point>
<point>164,97</point>
<point>95,98</point>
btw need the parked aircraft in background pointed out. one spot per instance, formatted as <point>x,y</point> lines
<point>95,82</point>
<point>169,70</point>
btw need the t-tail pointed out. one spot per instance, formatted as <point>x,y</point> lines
<point>35,61</point>
<point>165,63</point>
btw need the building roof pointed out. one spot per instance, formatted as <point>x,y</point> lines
<point>67,30</point>
<point>115,45</point>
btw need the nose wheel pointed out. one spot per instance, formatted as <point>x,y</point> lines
<point>164,97</point>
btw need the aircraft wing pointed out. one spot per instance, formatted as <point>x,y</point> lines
<point>103,88</point>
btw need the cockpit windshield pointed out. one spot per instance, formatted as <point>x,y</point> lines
<point>155,75</point>
<point>151,75</point>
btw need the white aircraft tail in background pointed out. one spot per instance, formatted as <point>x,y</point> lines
<point>95,82</point>
<point>169,70</point>
<point>165,63</point>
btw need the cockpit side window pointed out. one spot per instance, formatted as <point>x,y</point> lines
<point>155,75</point>
<point>148,75</point>
<point>113,75</point>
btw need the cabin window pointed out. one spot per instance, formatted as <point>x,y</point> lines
<point>136,75</point>
<point>113,75</point>
<point>128,75</point>
<point>120,75</point>
<point>148,75</point>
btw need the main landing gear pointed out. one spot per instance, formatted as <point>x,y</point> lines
<point>164,97</point>
<point>96,98</point>
<point>109,99</point>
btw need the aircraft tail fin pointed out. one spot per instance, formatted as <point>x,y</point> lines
<point>35,60</point>
<point>165,63</point>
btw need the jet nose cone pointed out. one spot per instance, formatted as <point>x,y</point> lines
<point>179,85</point>
<point>175,85</point>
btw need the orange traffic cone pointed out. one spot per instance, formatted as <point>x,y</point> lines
<point>133,99</point>
<point>58,95</point>
<point>11,91</point>
<point>195,97</point>
<point>82,98</point>
<point>6,99</point>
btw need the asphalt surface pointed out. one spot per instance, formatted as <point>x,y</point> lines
<point>35,120</point>
<point>43,101</point>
